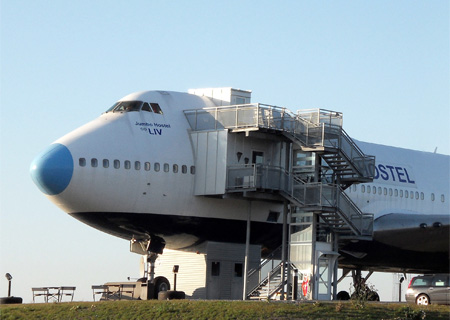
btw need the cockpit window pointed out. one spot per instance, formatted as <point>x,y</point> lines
<point>146,107</point>
<point>156,108</point>
<point>126,106</point>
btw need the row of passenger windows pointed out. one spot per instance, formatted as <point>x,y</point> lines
<point>137,165</point>
<point>395,192</point>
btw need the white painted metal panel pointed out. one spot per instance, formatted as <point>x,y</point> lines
<point>191,274</point>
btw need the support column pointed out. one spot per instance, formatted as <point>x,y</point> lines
<point>283,251</point>
<point>247,250</point>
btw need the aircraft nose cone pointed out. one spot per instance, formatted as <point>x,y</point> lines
<point>52,170</point>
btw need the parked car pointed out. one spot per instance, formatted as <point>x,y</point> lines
<point>427,289</point>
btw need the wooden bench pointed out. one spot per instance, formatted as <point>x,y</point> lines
<point>38,292</point>
<point>66,291</point>
<point>100,289</point>
<point>127,288</point>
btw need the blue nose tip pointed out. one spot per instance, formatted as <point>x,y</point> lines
<point>52,170</point>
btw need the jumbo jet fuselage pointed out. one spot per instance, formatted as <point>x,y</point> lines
<point>131,173</point>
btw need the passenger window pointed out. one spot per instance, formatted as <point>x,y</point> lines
<point>127,164</point>
<point>379,190</point>
<point>374,190</point>
<point>146,107</point>
<point>406,194</point>
<point>82,162</point>
<point>105,163</point>
<point>432,197</point>
<point>147,166</point>
<point>175,168</point>
<point>385,191</point>
<point>411,194</point>
<point>137,165</point>
<point>94,163</point>
<point>368,189</point>
<point>396,192</point>
<point>401,193</point>
<point>417,195</point>
<point>156,108</point>
<point>442,198</point>
<point>193,171</point>
<point>184,168</point>
<point>166,167</point>
<point>116,164</point>
<point>439,281</point>
<point>363,189</point>
<point>390,192</point>
<point>156,166</point>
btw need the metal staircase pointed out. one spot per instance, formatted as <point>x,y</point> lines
<point>318,131</point>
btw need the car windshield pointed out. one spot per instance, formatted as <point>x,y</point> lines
<point>126,106</point>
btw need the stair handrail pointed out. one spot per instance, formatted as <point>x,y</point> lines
<point>265,261</point>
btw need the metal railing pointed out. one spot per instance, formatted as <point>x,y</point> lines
<point>312,128</point>
<point>316,196</point>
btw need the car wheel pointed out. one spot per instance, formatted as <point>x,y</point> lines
<point>423,300</point>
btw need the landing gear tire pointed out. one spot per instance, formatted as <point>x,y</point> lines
<point>423,300</point>
<point>161,284</point>
<point>343,295</point>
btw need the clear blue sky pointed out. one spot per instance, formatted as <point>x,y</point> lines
<point>384,64</point>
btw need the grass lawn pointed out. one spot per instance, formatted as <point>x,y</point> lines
<point>189,309</point>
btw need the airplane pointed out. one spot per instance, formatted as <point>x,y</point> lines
<point>132,173</point>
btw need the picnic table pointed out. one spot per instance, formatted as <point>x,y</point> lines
<point>54,294</point>
<point>114,291</point>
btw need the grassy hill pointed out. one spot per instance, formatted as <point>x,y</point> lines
<point>186,309</point>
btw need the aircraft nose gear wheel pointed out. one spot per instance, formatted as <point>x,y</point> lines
<point>423,300</point>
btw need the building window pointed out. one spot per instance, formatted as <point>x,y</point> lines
<point>94,163</point>
<point>156,166</point>
<point>137,165</point>
<point>127,164</point>
<point>147,166</point>
<point>116,164</point>
<point>82,162</point>
<point>175,168</point>
<point>238,267</point>
<point>215,269</point>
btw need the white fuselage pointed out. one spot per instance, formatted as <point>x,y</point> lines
<point>133,174</point>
